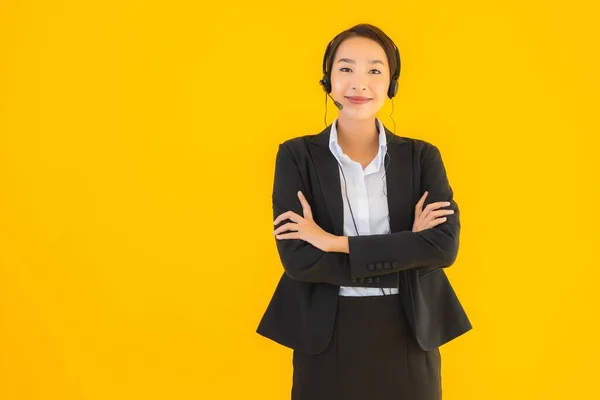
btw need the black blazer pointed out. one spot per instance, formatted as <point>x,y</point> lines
<point>302,311</point>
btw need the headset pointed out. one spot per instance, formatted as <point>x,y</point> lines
<point>326,80</point>
<point>392,90</point>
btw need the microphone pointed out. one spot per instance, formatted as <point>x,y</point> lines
<point>337,103</point>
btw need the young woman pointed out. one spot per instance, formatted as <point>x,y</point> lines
<point>365,223</point>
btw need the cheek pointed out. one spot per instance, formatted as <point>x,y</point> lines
<point>338,85</point>
<point>381,87</point>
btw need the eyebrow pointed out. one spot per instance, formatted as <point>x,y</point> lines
<point>350,61</point>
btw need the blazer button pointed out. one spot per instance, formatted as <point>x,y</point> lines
<point>371,267</point>
<point>377,280</point>
<point>360,280</point>
<point>369,280</point>
<point>395,264</point>
<point>386,265</point>
<point>354,279</point>
<point>379,265</point>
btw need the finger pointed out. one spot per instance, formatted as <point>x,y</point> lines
<point>433,206</point>
<point>305,206</point>
<point>280,218</point>
<point>437,221</point>
<point>421,201</point>
<point>294,235</point>
<point>438,204</point>
<point>439,213</point>
<point>287,215</point>
<point>419,206</point>
<point>287,227</point>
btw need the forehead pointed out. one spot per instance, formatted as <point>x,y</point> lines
<point>360,49</point>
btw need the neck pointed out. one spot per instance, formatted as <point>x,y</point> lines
<point>356,135</point>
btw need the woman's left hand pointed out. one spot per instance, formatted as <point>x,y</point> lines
<point>303,228</point>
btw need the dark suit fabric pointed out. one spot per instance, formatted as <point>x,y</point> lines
<point>372,355</point>
<point>302,310</point>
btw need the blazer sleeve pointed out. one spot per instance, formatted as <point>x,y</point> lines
<point>301,260</point>
<point>434,247</point>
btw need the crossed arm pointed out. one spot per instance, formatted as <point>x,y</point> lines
<point>324,257</point>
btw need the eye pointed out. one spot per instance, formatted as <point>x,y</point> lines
<point>377,72</point>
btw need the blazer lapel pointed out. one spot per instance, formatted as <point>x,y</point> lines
<point>329,179</point>
<point>398,179</point>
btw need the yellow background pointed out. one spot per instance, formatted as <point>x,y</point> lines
<point>137,147</point>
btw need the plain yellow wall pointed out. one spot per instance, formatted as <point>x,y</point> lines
<point>137,148</point>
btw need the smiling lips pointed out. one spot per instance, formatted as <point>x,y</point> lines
<point>358,99</point>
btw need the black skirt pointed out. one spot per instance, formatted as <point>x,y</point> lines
<point>372,355</point>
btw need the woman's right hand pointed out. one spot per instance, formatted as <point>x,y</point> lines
<point>430,216</point>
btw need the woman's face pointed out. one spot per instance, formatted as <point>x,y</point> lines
<point>360,69</point>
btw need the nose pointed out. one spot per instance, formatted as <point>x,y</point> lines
<point>359,83</point>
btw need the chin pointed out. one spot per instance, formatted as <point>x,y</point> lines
<point>358,114</point>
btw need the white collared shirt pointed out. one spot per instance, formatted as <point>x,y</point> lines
<point>366,193</point>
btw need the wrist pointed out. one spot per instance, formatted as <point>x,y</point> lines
<point>339,244</point>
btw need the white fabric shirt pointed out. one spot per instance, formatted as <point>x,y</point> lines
<point>366,192</point>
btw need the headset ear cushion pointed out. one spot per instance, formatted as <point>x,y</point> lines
<point>393,89</point>
<point>325,83</point>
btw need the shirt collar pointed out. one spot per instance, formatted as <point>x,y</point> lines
<point>337,150</point>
